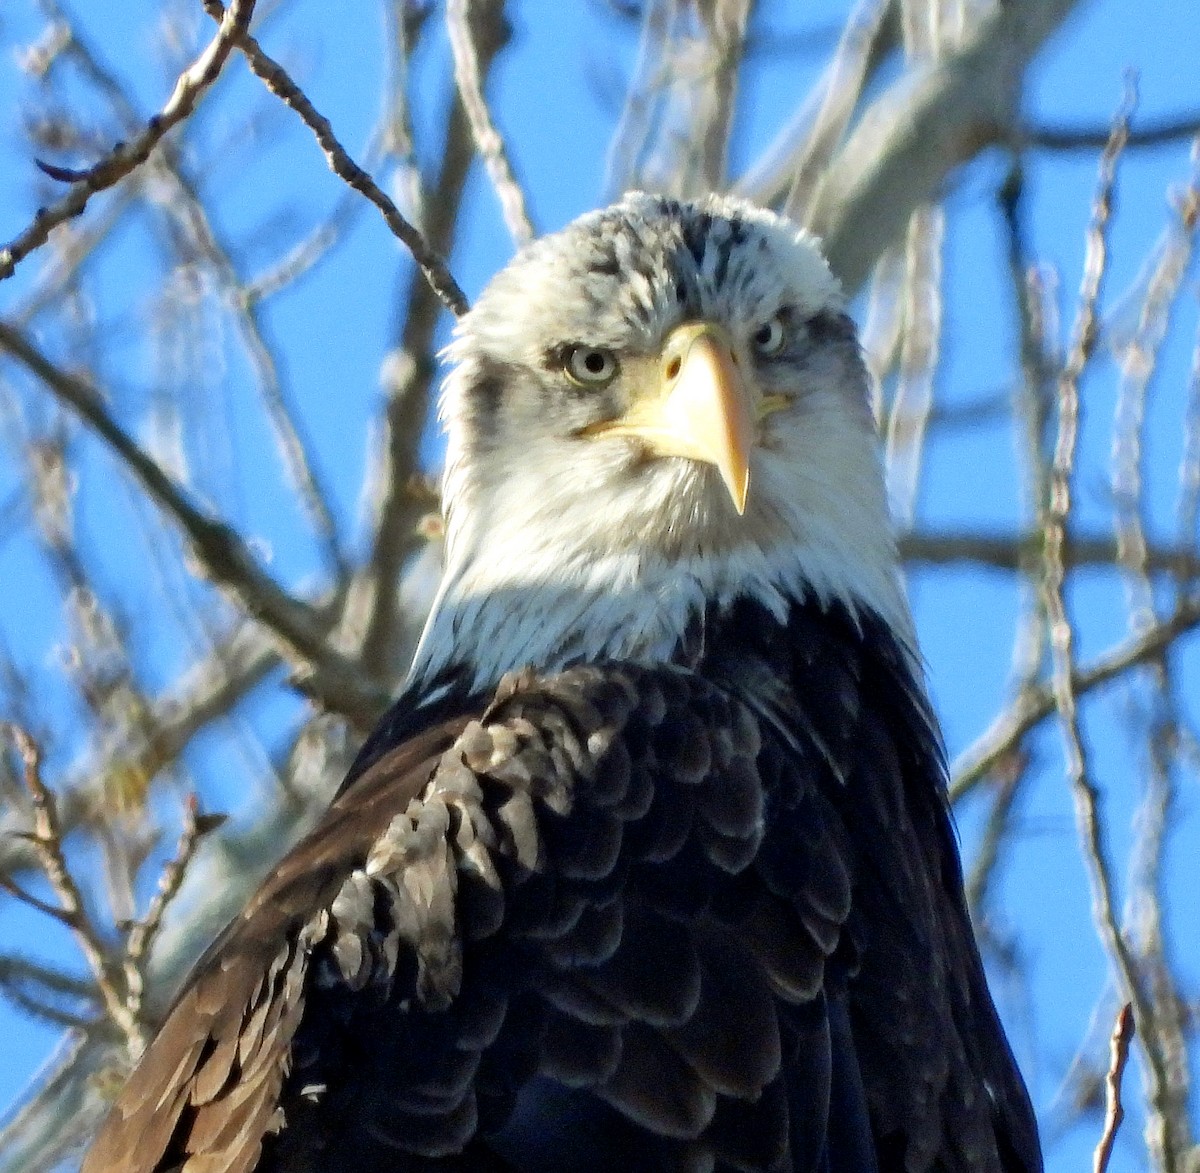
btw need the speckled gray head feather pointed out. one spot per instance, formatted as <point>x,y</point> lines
<point>561,545</point>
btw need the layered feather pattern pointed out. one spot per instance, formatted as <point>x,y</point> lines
<point>617,917</point>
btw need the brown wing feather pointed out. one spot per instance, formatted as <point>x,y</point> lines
<point>208,1088</point>
<point>594,928</point>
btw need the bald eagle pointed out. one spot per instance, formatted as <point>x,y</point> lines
<point>650,867</point>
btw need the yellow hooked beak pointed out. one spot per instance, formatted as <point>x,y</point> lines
<point>696,404</point>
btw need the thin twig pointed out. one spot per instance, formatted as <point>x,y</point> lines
<point>1187,508</point>
<point>1085,795</point>
<point>98,662</point>
<point>15,890</point>
<point>277,80</point>
<point>204,692</point>
<point>1159,718</point>
<point>1037,317</point>
<point>919,348</point>
<point>143,933</point>
<point>1114,1110</point>
<point>405,24</point>
<point>1168,1126</point>
<point>305,254</point>
<point>398,495</point>
<point>460,22</point>
<point>74,245</point>
<point>89,63</point>
<point>995,832</point>
<point>1035,305</point>
<point>840,88</point>
<point>1034,706</point>
<point>880,333</point>
<point>125,157</point>
<point>187,206</point>
<point>37,989</point>
<point>1138,358</point>
<point>224,557</point>
<point>725,40</point>
<point>47,838</point>
<point>632,131</point>
<point>1064,138</point>
<point>1022,551</point>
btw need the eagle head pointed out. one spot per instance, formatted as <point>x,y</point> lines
<point>655,410</point>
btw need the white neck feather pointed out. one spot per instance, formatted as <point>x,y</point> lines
<point>531,582</point>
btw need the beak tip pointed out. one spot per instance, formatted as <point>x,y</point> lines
<point>738,484</point>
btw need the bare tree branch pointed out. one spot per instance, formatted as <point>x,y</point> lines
<point>460,23</point>
<point>929,547</point>
<point>1187,506</point>
<point>1036,704</point>
<point>1146,908</point>
<point>1156,134</point>
<point>142,934</point>
<point>222,554</point>
<point>1157,811</point>
<point>276,79</point>
<point>840,90</point>
<point>908,418</point>
<point>399,497</point>
<point>805,144</point>
<point>306,253</point>
<point>207,691</point>
<point>1114,1110</point>
<point>996,829</point>
<point>74,1083</point>
<point>125,157</point>
<point>913,137</point>
<point>293,445</point>
<point>47,840</point>
<point>40,991</point>
<point>632,131</point>
<point>725,23</point>
<point>1086,796</point>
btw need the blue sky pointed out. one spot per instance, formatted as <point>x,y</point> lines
<point>555,93</point>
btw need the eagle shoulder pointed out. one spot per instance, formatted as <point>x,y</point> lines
<point>569,887</point>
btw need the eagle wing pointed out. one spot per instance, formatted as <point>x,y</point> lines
<point>613,919</point>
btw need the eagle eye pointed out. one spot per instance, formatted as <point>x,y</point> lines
<point>769,338</point>
<point>590,366</point>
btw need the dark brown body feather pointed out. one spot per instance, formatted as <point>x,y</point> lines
<point>698,916</point>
